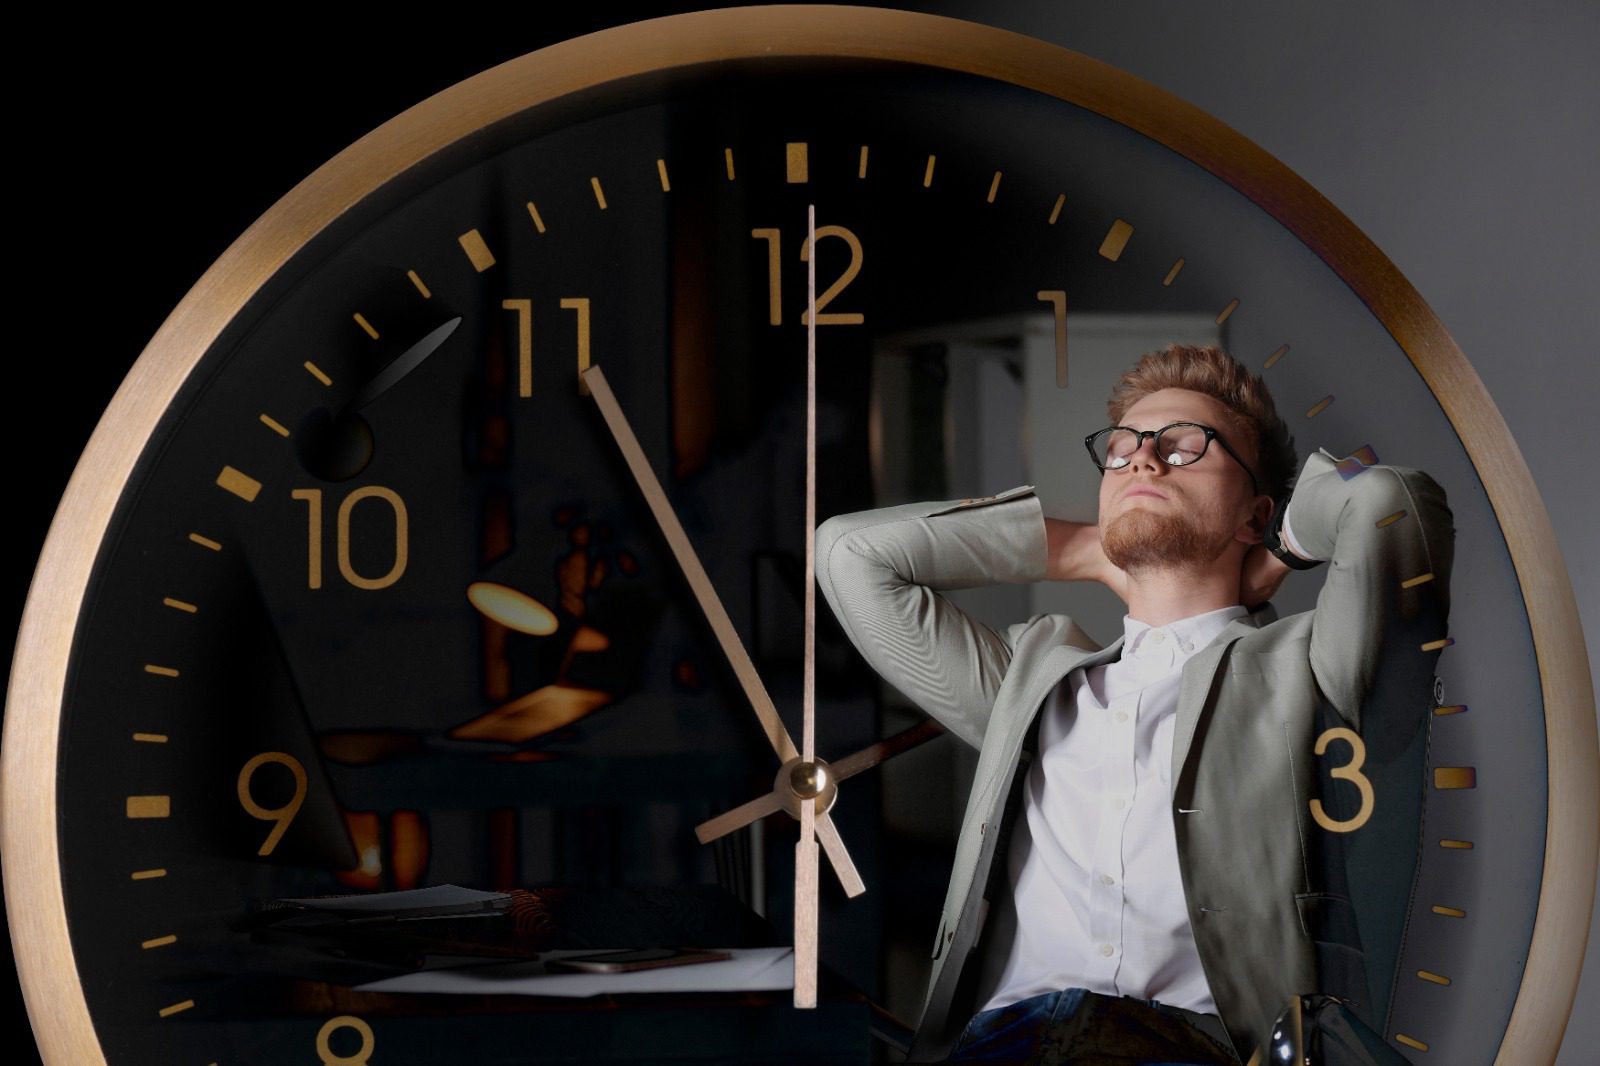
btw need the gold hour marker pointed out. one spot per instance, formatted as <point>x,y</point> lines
<point>179,605</point>
<point>147,875</point>
<point>1454,708</point>
<point>1436,978</point>
<point>1410,1041</point>
<point>1455,777</point>
<point>1435,645</point>
<point>361,320</point>
<point>204,542</point>
<point>599,193</point>
<point>1173,273</point>
<point>1461,845</point>
<point>273,424</point>
<point>239,483</point>
<point>994,186</point>
<point>412,274</point>
<point>533,213</point>
<point>150,738</point>
<point>167,1012</point>
<point>861,168</point>
<point>149,806</point>
<point>1319,407</point>
<point>1222,315</point>
<point>1413,582</point>
<point>1116,240</point>
<point>1055,212</point>
<point>927,173</point>
<point>315,371</point>
<point>727,157</point>
<point>158,942</point>
<point>661,171</point>
<point>1390,519</point>
<point>160,671</point>
<point>477,250</point>
<point>1449,912</point>
<point>797,162</point>
<point>1283,350</point>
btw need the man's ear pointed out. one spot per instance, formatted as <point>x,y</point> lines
<point>1255,528</point>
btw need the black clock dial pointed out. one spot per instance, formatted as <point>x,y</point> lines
<point>381,607</point>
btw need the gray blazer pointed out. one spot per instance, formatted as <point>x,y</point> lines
<point>1267,919</point>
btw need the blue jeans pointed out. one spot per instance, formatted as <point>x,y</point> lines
<point>1079,1026</point>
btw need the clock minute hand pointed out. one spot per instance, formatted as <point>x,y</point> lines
<point>711,606</point>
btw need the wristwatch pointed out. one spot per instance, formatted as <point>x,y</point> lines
<point>1273,538</point>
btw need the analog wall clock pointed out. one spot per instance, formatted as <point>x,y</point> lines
<point>353,592</point>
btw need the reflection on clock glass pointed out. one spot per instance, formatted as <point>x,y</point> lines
<point>384,610</point>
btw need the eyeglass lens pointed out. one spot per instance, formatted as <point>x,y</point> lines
<point>1177,445</point>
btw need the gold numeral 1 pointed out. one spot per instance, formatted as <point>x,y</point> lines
<point>580,304</point>
<point>1350,771</point>
<point>333,1025</point>
<point>402,536</point>
<point>1057,299</point>
<point>774,274</point>
<point>281,815</point>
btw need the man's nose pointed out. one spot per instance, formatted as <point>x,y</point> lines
<point>1145,456</point>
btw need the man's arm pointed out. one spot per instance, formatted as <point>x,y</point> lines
<point>883,573</point>
<point>1386,533</point>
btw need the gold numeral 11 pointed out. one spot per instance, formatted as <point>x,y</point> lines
<point>524,311</point>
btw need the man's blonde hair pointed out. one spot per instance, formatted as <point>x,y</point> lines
<point>1213,372</point>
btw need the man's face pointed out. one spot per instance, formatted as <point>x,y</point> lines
<point>1155,516</point>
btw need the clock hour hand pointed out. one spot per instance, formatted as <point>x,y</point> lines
<point>711,606</point>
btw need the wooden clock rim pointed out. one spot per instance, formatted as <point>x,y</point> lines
<point>35,903</point>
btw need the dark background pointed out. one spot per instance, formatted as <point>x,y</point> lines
<point>1462,137</point>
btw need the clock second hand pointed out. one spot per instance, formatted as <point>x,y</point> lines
<point>805,851</point>
<point>711,606</point>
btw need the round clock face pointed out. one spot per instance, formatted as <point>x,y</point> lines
<point>379,606</point>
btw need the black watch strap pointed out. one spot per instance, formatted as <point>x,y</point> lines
<point>1273,537</point>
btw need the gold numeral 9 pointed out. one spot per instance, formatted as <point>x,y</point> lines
<point>1350,771</point>
<point>281,815</point>
<point>402,536</point>
<point>333,1025</point>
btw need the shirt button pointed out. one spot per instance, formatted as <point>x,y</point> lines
<point>1122,716</point>
<point>1119,803</point>
<point>1107,879</point>
<point>1107,950</point>
<point>1158,636</point>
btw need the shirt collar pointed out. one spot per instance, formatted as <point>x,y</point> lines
<point>1184,636</point>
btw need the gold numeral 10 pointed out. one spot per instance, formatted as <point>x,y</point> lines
<point>402,536</point>
<point>1350,771</point>
<point>280,815</point>
<point>333,1025</point>
<point>775,277</point>
<point>579,305</point>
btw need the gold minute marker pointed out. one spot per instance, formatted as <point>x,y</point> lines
<point>415,280</point>
<point>273,424</point>
<point>1454,708</point>
<point>315,371</point>
<point>1410,1041</point>
<point>994,187</point>
<point>661,169</point>
<point>160,671</point>
<point>176,1008</point>
<point>150,738</point>
<point>179,605</point>
<point>1055,212</point>
<point>1449,912</point>
<point>1283,350</point>
<point>1436,978</point>
<point>927,173</point>
<point>533,213</point>
<point>204,542</point>
<point>1458,845</point>
<point>1173,273</point>
<point>1389,519</point>
<point>1413,582</point>
<point>1222,315</point>
<point>147,875</point>
<point>599,193</point>
<point>361,320</point>
<point>158,942</point>
<point>861,168</point>
<point>727,156</point>
<point>1319,407</point>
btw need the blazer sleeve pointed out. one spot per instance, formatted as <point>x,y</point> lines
<point>1387,535</point>
<point>884,573</point>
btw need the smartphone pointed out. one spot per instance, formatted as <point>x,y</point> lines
<point>629,961</point>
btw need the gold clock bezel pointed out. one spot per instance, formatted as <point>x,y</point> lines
<point>33,884</point>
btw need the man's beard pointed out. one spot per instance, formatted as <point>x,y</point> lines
<point>1141,540</point>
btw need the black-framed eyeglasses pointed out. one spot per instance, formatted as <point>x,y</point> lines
<point>1179,444</point>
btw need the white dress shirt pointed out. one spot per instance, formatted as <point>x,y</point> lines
<point>1097,899</point>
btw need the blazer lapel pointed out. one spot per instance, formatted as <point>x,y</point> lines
<point>1198,673</point>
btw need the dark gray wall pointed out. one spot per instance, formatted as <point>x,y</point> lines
<point>1464,139</point>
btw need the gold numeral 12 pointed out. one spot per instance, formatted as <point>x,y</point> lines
<point>402,536</point>
<point>774,238</point>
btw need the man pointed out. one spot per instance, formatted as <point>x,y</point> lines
<point>1140,820</point>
